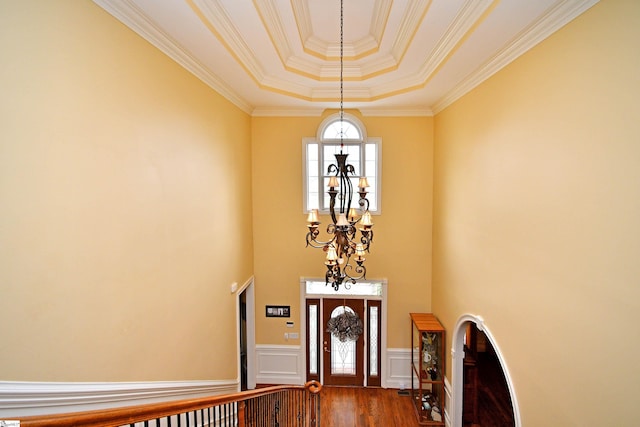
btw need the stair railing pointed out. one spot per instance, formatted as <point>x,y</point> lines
<point>276,406</point>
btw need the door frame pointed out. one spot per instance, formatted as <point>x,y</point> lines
<point>249,289</point>
<point>383,329</point>
<point>457,354</point>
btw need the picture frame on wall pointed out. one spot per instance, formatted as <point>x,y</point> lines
<point>278,311</point>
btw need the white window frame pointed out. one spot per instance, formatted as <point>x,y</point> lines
<point>362,142</point>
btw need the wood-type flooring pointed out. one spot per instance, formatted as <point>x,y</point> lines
<point>365,407</point>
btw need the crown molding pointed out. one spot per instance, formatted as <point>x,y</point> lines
<point>322,49</point>
<point>563,12</point>
<point>396,112</point>
<point>286,112</point>
<point>468,18</point>
<point>317,112</point>
<point>130,15</point>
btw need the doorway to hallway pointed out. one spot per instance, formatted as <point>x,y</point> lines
<point>486,399</point>
<point>480,378</point>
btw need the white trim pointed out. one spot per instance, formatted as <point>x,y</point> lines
<point>287,112</point>
<point>560,14</point>
<point>127,12</point>
<point>457,356</point>
<point>317,112</point>
<point>279,364</point>
<point>251,332</point>
<point>396,112</point>
<point>384,381</point>
<point>447,402</point>
<point>19,398</point>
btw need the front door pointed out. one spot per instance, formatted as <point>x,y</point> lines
<point>343,361</point>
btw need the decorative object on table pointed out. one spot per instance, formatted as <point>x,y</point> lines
<point>346,326</point>
<point>433,373</point>
<point>435,414</point>
<point>430,347</point>
<point>343,244</point>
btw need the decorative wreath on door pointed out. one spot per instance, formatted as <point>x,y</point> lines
<point>345,326</point>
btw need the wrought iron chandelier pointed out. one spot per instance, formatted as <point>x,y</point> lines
<point>343,244</point>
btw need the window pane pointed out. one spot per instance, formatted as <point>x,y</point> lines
<point>363,156</point>
<point>312,168</point>
<point>330,150</point>
<point>312,151</point>
<point>360,288</point>
<point>313,339</point>
<point>373,340</point>
<point>343,354</point>
<point>313,201</point>
<point>345,129</point>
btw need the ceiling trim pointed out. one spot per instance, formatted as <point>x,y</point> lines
<point>366,112</point>
<point>563,12</point>
<point>131,16</point>
<point>312,45</point>
<point>217,21</point>
<point>328,51</point>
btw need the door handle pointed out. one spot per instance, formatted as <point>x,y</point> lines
<point>325,348</point>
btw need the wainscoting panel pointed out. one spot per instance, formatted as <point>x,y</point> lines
<point>398,368</point>
<point>279,364</point>
<point>37,398</point>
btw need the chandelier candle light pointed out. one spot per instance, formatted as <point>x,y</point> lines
<point>343,244</point>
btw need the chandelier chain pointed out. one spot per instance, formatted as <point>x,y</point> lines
<point>345,253</point>
<point>341,75</point>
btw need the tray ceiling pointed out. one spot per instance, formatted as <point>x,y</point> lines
<point>401,57</point>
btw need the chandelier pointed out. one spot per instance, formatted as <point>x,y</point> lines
<point>343,246</point>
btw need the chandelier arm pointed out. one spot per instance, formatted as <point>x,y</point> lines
<point>312,237</point>
<point>348,191</point>
<point>359,269</point>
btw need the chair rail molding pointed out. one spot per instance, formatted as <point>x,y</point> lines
<point>20,398</point>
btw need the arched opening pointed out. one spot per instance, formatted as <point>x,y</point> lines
<point>483,393</point>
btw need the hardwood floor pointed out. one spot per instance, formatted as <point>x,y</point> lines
<point>365,407</point>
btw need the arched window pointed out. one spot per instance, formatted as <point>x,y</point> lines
<point>335,128</point>
<point>364,155</point>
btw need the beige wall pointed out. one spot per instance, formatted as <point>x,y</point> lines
<point>536,219</point>
<point>125,205</point>
<point>401,250</point>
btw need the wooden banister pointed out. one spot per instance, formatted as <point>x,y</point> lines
<point>140,413</point>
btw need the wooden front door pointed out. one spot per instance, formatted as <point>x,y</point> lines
<point>343,361</point>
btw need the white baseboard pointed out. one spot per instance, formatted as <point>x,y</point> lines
<point>40,398</point>
<point>279,364</point>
